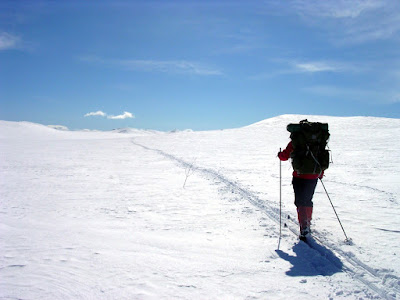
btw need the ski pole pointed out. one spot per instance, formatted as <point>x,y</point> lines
<point>280,200</point>
<point>347,239</point>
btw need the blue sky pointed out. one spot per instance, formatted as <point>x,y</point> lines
<point>196,64</point>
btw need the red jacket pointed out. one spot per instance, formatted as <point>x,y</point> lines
<point>285,155</point>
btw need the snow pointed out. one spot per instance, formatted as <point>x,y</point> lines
<point>104,215</point>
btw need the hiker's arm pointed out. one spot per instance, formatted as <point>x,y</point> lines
<point>285,154</point>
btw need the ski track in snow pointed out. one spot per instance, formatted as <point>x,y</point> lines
<point>378,282</point>
<point>391,196</point>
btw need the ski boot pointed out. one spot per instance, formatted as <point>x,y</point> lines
<point>304,233</point>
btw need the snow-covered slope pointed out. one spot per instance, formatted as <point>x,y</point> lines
<point>104,215</point>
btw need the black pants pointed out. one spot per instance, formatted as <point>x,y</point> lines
<point>303,191</point>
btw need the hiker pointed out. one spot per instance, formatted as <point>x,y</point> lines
<point>308,168</point>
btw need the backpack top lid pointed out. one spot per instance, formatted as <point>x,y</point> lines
<point>307,126</point>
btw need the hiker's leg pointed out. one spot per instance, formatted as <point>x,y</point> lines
<point>304,191</point>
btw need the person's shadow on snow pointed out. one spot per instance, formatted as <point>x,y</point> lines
<point>311,261</point>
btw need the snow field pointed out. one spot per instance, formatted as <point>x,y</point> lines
<point>94,215</point>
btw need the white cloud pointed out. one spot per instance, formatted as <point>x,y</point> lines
<point>348,21</point>
<point>125,115</point>
<point>293,67</point>
<point>97,113</point>
<point>8,41</point>
<point>337,9</point>
<point>326,66</point>
<point>158,66</point>
<point>313,67</point>
<point>182,66</point>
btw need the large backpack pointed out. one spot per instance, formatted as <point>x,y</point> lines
<point>309,140</point>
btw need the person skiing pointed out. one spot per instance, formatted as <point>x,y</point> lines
<point>304,187</point>
<point>309,160</point>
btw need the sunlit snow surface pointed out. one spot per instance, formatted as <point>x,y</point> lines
<point>104,215</point>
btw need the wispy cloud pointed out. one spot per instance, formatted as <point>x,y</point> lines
<point>182,66</point>
<point>326,66</point>
<point>99,113</point>
<point>314,67</point>
<point>336,8</point>
<point>348,21</point>
<point>296,67</point>
<point>8,41</point>
<point>96,113</point>
<point>125,115</point>
<point>157,66</point>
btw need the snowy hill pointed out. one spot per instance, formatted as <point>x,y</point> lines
<point>10,130</point>
<point>104,215</point>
